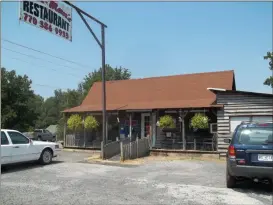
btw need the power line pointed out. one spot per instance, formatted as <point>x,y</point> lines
<point>38,58</point>
<point>49,86</point>
<point>53,69</point>
<point>42,52</point>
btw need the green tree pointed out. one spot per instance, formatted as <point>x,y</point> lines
<point>110,74</point>
<point>19,103</point>
<point>51,111</point>
<point>269,80</point>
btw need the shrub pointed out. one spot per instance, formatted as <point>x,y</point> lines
<point>74,122</point>
<point>166,122</point>
<point>90,122</point>
<point>199,121</point>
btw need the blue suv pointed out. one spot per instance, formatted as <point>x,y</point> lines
<point>250,153</point>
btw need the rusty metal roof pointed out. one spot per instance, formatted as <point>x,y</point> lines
<point>178,91</point>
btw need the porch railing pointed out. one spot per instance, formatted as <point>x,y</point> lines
<point>202,143</point>
<point>135,149</point>
<point>110,150</point>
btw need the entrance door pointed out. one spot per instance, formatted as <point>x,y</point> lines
<point>145,124</point>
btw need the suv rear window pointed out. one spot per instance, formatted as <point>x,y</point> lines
<point>256,135</point>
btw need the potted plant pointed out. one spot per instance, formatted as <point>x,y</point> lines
<point>167,124</point>
<point>91,123</point>
<point>74,122</point>
<point>199,122</point>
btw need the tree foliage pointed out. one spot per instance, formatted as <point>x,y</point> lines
<point>23,110</point>
<point>110,74</point>
<point>51,111</point>
<point>19,104</point>
<point>166,121</point>
<point>74,122</point>
<point>269,80</point>
<point>91,123</point>
<point>199,121</point>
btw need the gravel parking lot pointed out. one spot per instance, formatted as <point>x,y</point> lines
<point>69,181</point>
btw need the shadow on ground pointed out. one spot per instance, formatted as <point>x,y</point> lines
<point>24,166</point>
<point>251,187</point>
<point>109,163</point>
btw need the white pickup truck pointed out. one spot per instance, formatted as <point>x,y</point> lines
<point>15,148</point>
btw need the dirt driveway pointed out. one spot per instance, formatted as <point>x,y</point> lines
<point>70,181</point>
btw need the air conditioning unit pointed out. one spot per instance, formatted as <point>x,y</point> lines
<point>213,128</point>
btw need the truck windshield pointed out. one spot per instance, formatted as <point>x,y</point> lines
<point>255,135</point>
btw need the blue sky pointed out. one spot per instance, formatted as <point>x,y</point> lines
<point>150,39</point>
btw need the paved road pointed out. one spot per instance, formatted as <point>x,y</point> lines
<point>71,182</point>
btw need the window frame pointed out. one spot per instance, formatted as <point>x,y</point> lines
<point>18,134</point>
<point>6,138</point>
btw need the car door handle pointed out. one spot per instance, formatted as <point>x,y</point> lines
<point>16,147</point>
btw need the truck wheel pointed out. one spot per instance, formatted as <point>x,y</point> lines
<point>230,181</point>
<point>46,157</point>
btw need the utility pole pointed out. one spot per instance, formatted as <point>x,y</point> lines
<point>102,46</point>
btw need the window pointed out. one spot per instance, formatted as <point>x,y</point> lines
<point>46,131</point>
<point>255,135</point>
<point>38,131</point>
<point>18,138</point>
<point>4,139</point>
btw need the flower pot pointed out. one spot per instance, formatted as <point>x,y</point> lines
<point>169,129</point>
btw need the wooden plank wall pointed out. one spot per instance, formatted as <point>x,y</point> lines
<point>239,105</point>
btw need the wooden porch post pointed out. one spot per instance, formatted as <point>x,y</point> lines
<point>182,116</point>
<point>65,123</point>
<point>106,128</point>
<point>84,131</point>
<point>183,134</point>
<point>130,125</point>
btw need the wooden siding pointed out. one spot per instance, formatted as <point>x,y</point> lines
<point>239,105</point>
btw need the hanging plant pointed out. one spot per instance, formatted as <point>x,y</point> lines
<point>91,123</point>
<point>199,121</point>
<point>166,122</point>
<point>74,122</point>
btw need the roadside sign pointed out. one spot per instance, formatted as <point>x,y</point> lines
<point>52,16</point>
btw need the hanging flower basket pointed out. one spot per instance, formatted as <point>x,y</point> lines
<point>199,121</point>
<point>167,124</point>
<point>74,122</point>
<point>91,123</point>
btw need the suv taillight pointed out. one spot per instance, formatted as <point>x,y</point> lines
<point>231,151</point>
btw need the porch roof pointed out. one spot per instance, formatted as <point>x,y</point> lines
<point>204,103</point>
<point>179,91</point>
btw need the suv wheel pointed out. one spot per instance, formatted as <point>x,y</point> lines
<point>230,180</point>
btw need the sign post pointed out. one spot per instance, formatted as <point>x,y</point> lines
<point>102,46</point>
<point>56,17</point>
